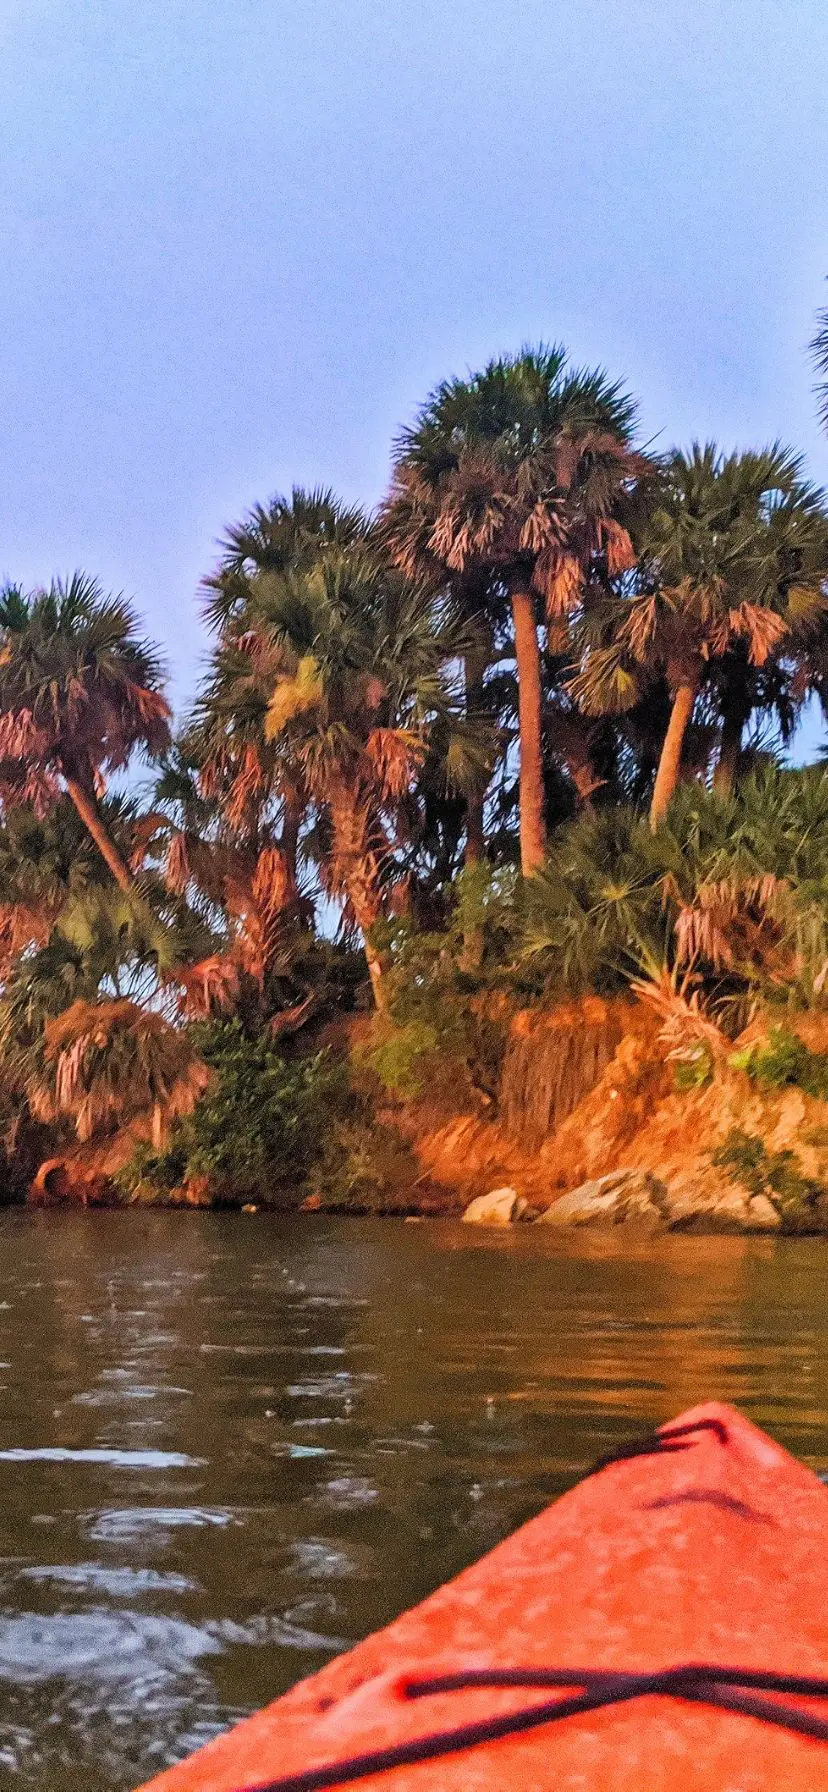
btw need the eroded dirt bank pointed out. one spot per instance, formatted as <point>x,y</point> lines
<point>590,1091</point>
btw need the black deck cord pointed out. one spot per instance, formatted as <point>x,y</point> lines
<point>661,1443</point>
<point>726,1689</point>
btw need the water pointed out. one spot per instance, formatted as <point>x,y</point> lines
<point>231,1446</point>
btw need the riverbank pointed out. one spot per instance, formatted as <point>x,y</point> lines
<point>600,1124</point>
<point>598,1118</point>
<point>729,1140</point>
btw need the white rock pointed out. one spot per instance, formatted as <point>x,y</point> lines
<point>730,1212</point>
<point>501,1207</point>
<point>624,1197</point>
<point>762,1215</point>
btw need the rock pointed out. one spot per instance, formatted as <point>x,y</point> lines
<point>821,1212</point>
<point>682,1209</point>
<point>762,1215</point>
<point>702,1199</point>
<point>730,1213</point>
<point>623,1196</point>
<point>501,1207</point>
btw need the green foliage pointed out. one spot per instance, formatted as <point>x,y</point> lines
<point>447,989</point>
<point>401,1059</point>
<point>732,891</point>
<point>774,1174</point>
<point>731,887</point>
<point>473,951</point>
<point>783,1060</point>
<point>366,1166</point>
<point>262,1128</point>
<point>594,916</point>
<point>695,1070</point>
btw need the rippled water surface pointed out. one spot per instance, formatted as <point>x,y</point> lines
<point>231,1446</point>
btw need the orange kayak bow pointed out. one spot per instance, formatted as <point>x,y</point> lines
<point>661,1628</point>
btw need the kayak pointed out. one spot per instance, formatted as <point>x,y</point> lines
<point>663,1627</point>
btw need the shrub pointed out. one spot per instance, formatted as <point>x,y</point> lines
<point>447,991</point>
<point>784,1060</point>
<point>401,1059</point>
<point>772,1173</point>
<point>262,1127</point>
<point>696,1070</point>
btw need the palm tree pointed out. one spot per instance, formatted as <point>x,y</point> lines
<point>354,655</point>
<point>255,794</point>
<point>516,476</point>
<point>734,558</point>
<point>304,599</point>
<point>819,357</point>
<point>769,696</point>
<point>253,785</point>
<point>69,935</point>
<point>108,1063</point>
<point>51,872</point>
<point>79,691</point>
<point>284,535</point>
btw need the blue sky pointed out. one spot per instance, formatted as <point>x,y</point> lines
<point>241,241</point>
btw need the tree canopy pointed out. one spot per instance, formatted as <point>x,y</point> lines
<point>523,728</point>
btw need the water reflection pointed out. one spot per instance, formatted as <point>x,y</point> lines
<point>229,1449</point>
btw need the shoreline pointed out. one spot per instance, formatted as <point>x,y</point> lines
<point>590,1127</point>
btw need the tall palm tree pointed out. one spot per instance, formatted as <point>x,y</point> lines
<point>253,785</point>
<point>304,592</point>
<point>354,655</point>
<point>79,692</point>
<point>734,560</point>
<point>516,475</point>
<point>283,535</point>
<point>819,358</point>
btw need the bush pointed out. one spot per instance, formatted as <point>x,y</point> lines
<point>734,888</point>
<point>784,1060</point>
<point>775,1174</point>
<point>448,992</point>
<point>260,1130</point>
<point>695,1071</point>
<point>401,1059</point>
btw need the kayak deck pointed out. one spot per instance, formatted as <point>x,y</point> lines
<point>710,1547</point>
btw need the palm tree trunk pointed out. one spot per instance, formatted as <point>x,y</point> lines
<point>527,655</point>
<point>88,812</point>
<point>360,874</point>
<point>475,839</point>
<point>733,728</point>
<point>472,952</point>
<point>289,847</point>
<point>669,764</point>
<point>474,668</point>
<point>475,848</point>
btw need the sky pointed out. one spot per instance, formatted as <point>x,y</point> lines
<point>240,241</point>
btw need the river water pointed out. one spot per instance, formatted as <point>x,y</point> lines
<point>230,1446</point>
